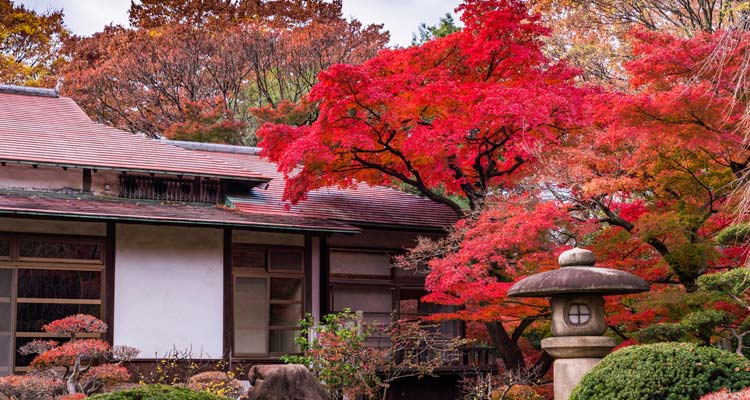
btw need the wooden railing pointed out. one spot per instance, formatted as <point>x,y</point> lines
<point>170,189</point>
<point>477,356</point>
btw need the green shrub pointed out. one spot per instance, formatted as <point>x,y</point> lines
<point>734,235</point>
<point>664,371</point>
<point>157,392</point>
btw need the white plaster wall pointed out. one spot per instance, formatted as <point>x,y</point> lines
<point>14,176</point>
<point>169,290</point>
<point>53,227</point>
<point>267,238</point>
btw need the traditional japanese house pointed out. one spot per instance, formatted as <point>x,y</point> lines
<point>183,245</point>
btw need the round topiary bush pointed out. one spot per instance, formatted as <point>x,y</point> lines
<point>157,392</point>
<point>216,382</point>
<point>664,371</point>
<point>517,392</point>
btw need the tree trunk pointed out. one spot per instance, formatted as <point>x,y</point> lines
<point>512,355</point>
<point>508,349</point>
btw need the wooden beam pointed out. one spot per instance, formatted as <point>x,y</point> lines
<point>325,273</point>
<point>109,281</point>
<point>86,180</point>
<point>308,273</point>
<point>228,336</point>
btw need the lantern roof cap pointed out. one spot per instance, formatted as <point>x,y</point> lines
<point>578,274</point>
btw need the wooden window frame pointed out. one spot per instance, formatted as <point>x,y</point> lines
<point>15,263</point>
<point>268,273</point>
<point>11,333</point>
<point>8,238</point>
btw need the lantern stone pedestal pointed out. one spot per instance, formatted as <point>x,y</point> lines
<point>574,357</point>
<point>577,302</point>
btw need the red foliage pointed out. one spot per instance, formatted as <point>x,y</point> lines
<point>205,121</point>
<point>79,323</point>
<point>67,353</point>
<point>726,395</point>
<point>479,274</point>
<point>626,343</point>
<point>456,115</point>
<point>547,391</point>
<point>30,387</point>
<point>37,346</point>
<point>643,177</point>
<point>107,374</point>
<point>76,396</point>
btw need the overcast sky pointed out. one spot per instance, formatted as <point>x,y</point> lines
<point>401,17</point>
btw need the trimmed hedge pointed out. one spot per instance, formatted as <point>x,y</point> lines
<point>157,392</point>
<point>664,371</point>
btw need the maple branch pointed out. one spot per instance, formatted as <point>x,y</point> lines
<point>617,332</point>
<point>416,183</point>
<point>612,217</point>
<point>525,323</point>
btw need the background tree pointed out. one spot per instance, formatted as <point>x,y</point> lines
<point>592,35</point>
<point>30,45</point>
<point>445,27</point>
<point>246,54</point>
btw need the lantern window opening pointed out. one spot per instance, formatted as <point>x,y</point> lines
<point>578,314</point>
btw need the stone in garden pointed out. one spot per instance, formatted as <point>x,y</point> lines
<point>284,382</point>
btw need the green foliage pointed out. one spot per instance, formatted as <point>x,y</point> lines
<point>332,354</point>
<point>700,325</point>
<point>426,33</point>
<point>665,371</point>
<point>733,282</point>
<point>734,235</point>
<point>157,392</point>
<point>703,324</point>
<point>666,332</point>
<point>341,359</point>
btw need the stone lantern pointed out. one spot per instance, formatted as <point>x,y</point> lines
<point>576,291</point>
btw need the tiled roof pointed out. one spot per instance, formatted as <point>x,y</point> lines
<point>103,208</point>
<point>365,205</point>
<point>38,127</point>
<point>50,130</point>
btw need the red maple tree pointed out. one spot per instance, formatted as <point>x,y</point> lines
<point>457,119</point>
<point>482,122</point>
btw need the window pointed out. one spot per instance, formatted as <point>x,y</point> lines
<point>6,328</point>
<point>4,249</point>
<point>578,314</point>
<point>360,263</point>
<point>203,190</point>
<point>268,300</point>
<point>411,307</point>
<point>42,279</point>
<point>363,280</point>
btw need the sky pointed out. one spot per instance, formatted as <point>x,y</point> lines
<point>400,17</point>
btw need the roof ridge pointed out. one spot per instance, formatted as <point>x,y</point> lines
<point>209,156</point>
<point>215,147</point>
<point>29,91</point>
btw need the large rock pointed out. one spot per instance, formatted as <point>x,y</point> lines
<point>284,382</point>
